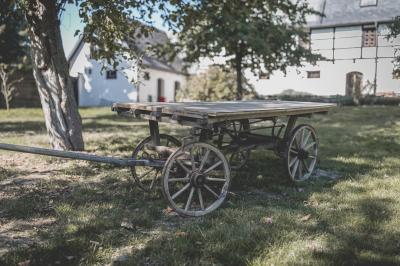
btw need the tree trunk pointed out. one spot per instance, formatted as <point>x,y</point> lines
<point>5,87</point>
<point>51,72</point>
<point>238,65</point>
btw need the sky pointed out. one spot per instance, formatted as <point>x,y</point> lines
<point>70,22</point>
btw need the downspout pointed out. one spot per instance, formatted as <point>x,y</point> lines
<point>376,58</point>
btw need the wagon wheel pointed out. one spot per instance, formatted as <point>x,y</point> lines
<point>146,176</point>
<point>301,153</point>
<point>196,179</point>
<point>237,156</point>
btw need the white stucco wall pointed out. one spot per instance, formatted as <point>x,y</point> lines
<point>95,89</point>
<point>347,56</point>
<point>149,87</point>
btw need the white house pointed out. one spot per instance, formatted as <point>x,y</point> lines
<point>352,38</point>
<point>159,80</point>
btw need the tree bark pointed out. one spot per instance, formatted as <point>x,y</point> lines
<point>51,72</point>
<point>239,77</point>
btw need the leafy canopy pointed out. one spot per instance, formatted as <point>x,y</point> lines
<point>262,35</point>
<point>13,42</point>
<point>394,33</point>
<point>108,25</point>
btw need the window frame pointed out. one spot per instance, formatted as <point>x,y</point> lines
<point>365,29</point>
<point>311,72</point>
<point>111,74</point>
<point>368,5</point>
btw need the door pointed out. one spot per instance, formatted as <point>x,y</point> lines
<point>354,84</point>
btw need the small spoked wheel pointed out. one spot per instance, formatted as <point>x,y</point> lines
<point>237,156</point>
<point>196,179</point>
<point>145,177</point>
<point>301,153</point>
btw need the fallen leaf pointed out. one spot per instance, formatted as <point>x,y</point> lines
<point>24,263</point>
<point>181,234</point>
<point>127,225</point>
<point>305,218</point>
<point>266,220</point>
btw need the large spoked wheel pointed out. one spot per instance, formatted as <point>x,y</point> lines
<point>145,177</point>
<point>301,153</point>
<point>196,179</point>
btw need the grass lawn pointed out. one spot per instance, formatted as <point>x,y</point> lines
<point>56,211</point>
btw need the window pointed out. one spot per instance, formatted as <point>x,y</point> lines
<point>364,3</point>
<point>313,74</point>
<point>264,75</point>
<point>111,74</point>
<point>88,71</point>
<point>93,51</point>
<point>369,36</point>
<point>160,90</point>
<point>177,87</point>
<point>146,76</point>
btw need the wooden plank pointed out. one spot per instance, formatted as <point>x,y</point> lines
<point>220,111</point>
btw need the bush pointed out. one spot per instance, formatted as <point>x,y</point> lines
<point>214,85</point>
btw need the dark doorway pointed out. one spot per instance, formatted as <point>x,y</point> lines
<point>177,87</point>
<point>354,84</point>
<point>160,90</point>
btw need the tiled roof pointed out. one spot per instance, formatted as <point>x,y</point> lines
<point>343,12</point>
<point>157,37</point>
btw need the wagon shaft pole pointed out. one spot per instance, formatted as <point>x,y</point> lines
<point>81,156</point>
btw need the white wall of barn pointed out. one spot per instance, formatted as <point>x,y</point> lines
<point>96,90</point>
<point>347,54</point>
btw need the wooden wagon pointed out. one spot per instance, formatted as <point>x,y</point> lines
<point>196,173</point>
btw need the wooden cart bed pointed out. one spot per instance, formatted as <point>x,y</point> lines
<point>211,112</point>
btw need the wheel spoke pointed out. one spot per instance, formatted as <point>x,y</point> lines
<point>180,191</point>
<point>305,165</point>
<point>293,161</point>
<point>302,136</point>
<point>200,199</point>
<point>213,167</point>
<point>309,146</point>
<point>211,191</point>
<point>183,166</point>
<point>215,179</point>
<point>192,161</point>
<point>184,179</point>
<point>293,151</point>
<point>204,160</point>
<point>146,173</point>
<point>306,140</point>
<point>296,166</point>
<point>189,201</point>
<point>300,171</point>
<point>154,180</point>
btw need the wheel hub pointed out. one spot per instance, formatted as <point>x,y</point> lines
<point>303,154</point>
<point>197,179</point>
